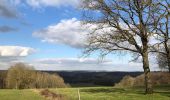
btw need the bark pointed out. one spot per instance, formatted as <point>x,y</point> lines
<point>147,74</point>
<point>148,82</point>
<point>169,64</point>
<point>167,54</point>
<point>16,85</point>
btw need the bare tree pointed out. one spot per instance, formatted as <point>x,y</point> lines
<point>2,79</point>
<point>122,25</point>
<point>22,76</point>
<point>162,61</point>
<point>19,76</point>
<point>162,25</point>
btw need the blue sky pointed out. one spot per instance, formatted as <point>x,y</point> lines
<point>48,35</point>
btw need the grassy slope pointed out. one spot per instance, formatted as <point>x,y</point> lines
<point>6,94</point>
<point>109,93</point>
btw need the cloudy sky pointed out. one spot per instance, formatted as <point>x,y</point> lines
<point>48,35</point>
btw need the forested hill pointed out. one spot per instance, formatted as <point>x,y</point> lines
<point>89,78</point>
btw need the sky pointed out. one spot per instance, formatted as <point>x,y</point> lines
<point>48,35</point>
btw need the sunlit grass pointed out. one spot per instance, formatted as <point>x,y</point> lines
<point>110,93</point>
<point>90,93</point>
<point>12,94</point>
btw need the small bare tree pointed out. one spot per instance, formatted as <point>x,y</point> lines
<point>162,61</point>
<point>122,25</point>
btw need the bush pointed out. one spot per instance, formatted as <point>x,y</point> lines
<point>127,81</point>
<point>45,80</point>
<point>158,78</point>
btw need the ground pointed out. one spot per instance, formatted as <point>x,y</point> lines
<point>89,93</point>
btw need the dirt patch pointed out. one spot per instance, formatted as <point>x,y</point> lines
<point>51,95</point>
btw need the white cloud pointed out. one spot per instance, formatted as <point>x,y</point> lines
<point>91,64</point>
<point>13,54</point>
<point>73,33</point>
<point>69,32</point>
<point>77,64</point>
<point>53,3</point>
<point>72,61</point>
<point>15,51</point>
<point>72,64</point>
<point>46,3</point>
<point>6,62</point>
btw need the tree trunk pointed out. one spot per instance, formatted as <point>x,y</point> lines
<point>169,64</point>
<point>168,54</point>
<point>148,82</point>
<point>16,85</point>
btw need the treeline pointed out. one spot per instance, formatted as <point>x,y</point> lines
<point>21,76</point>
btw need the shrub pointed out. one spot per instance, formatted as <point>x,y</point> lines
<point>158,78</point>
<point>127,81</point>
<point>45,80</point>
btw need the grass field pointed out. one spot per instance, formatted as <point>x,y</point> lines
<point>90,93</point>
<point>7,94</point>
<point>109,93</point>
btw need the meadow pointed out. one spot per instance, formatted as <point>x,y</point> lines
<point>26,94</point>
<point>89,93</point>
<point>110,93</point>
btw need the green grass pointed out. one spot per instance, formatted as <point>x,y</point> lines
<point>110,93</point>
<point>90,93</point>
<point>9,94</point>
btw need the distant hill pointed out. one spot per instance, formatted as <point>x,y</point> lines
<point>89,78</point>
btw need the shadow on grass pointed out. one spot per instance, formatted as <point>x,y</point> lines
<point>163,90</point>
<point>164,93</point>
<point>137,91</point>
<point>111,90</point>
<point>102,90</point>
<point>128,91</point>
